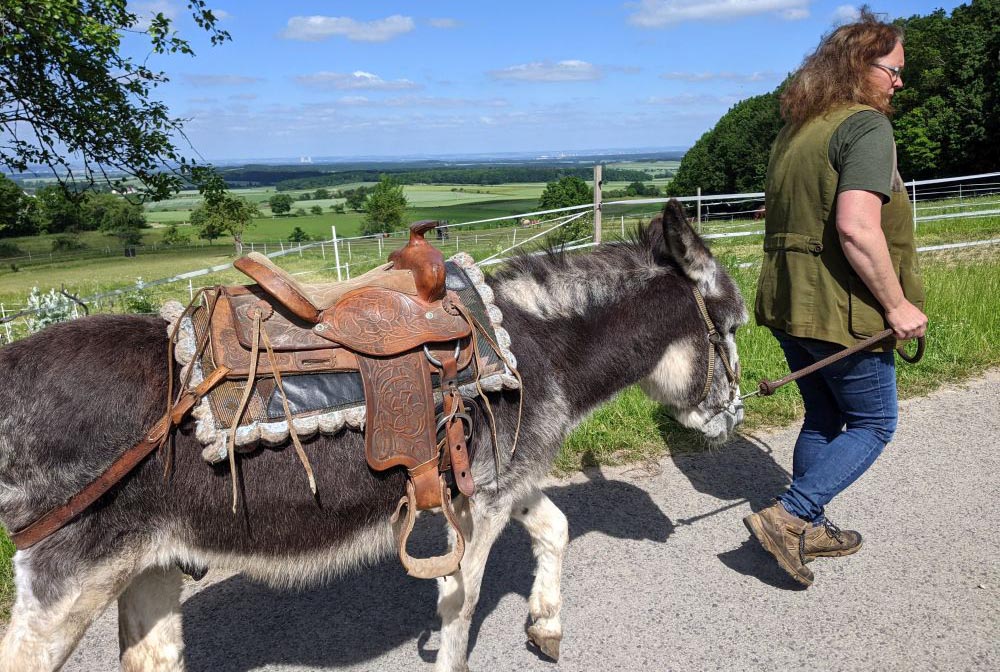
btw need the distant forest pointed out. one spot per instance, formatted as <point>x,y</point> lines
<point>946,121</point>
<point>288,178</point>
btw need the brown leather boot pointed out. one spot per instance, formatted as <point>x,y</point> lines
<point>829,541</point>
<point>782,535</point>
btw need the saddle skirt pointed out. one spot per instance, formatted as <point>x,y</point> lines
<point>321,380</point>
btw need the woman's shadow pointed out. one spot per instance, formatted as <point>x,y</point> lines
<point>742,472</point>
<point>361,616</point>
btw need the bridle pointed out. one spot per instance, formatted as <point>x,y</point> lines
<point>716,348</point>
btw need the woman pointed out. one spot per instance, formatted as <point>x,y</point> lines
<point>840,265</point>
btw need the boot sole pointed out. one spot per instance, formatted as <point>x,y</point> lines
<point>765,541</point>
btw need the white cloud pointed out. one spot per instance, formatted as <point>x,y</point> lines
<point>691,100</point>
<point>221,80</point>
<point>243,96</point>
<point>563,71</point>
<point>221,14</point>
<point>317,28</point>
<point>794,13</point>
<point>422,101</point>
<point>356,80</point>
<point>443,23</point>
<point>659,13</point>
<point>695,77</point>
<point>846,14</point>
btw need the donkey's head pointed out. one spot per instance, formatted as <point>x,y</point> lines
<point>697,378</point>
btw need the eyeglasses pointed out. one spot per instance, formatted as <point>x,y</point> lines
<point>894,71</point>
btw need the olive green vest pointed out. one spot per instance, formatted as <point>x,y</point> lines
<point>807,288</point>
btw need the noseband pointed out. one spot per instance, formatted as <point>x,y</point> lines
<point>715,346</point>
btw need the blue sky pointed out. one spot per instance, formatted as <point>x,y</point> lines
<point>437,77</point>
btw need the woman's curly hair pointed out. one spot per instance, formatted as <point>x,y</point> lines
<point>837,72</point>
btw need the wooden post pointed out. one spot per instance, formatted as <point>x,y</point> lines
<point>190,289</point>
<point>322,248</point>
<point>3,316</point>
<point>380,247</point>
<point>698,211</point>
<point>597,203</point>
<point>336,253</point>
<point>623,227</point>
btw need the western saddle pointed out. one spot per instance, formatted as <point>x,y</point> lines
<point>397,327</point>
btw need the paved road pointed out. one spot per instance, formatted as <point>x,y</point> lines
<point>661,575</point>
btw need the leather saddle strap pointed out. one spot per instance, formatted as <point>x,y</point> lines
<point>299,450</point>
<point>453,407</point>
<point>244,400</point>
<point>56,518</point>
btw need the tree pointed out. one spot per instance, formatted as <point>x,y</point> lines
<point>123,220</point>
<point>298,235</point>
<point>57,212</point>
<point>173,237</point>
<point>732,157</point>
<point>384,207</point>
<point>222,212</point>
<point>316,210</point>
<point>15,210</point>
<point>355,198</point>
<point>321,194</point>
<point>68,95</point>
<point>281,204</point>
<point>567,191</point>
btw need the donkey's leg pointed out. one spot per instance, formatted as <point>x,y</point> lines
<point>149,622</point>
<point>44,630</point>
<point>549,537</point>
<point>481,524</point>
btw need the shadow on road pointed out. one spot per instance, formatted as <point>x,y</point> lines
<point>743,471</point>
<point>361,616</point>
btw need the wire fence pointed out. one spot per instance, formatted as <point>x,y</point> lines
<point>716,217</point>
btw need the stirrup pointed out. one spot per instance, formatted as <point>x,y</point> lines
<point>437,566</point>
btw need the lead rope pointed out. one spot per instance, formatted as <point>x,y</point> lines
<point>700,300</point>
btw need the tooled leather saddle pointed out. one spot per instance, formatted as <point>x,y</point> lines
<point>399,329</point>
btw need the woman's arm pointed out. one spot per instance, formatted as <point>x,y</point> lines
<point>859,223</point>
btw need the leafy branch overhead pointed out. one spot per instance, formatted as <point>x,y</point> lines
<point>70,99</point>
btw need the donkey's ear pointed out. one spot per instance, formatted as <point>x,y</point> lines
<point>686,248</point>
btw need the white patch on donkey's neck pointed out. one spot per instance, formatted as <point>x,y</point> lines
<point>574,291</point>
<point>671,379</point>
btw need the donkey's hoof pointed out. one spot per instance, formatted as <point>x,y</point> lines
<point>546,641</point>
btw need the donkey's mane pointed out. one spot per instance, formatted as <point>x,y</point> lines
<point>634,253</point>
<point>557,283</point>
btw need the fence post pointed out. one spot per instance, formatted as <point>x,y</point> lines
<point>336,253</point>
<point>322,248</point>
<point>350,257</point>
<point>3,316</point>
<point>282,246</point>
<point>623,227</point>
<point>191,289</point>
<point>913,191</point>
<point>380,247</point>
<point>597,203</point>
<point>698,210</point>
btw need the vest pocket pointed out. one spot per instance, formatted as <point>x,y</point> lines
<point>792,242</point>
<point>865,317</point>
<point>791,260</point>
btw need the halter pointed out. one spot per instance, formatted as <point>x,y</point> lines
<point>715,345</point>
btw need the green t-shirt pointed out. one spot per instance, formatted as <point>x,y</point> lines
<point>862,152</point>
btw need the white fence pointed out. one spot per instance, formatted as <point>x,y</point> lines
<point>716,216</point>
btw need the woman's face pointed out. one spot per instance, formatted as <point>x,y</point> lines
<point>885,74</point>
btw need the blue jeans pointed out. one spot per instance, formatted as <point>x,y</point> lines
<point>851,413</point>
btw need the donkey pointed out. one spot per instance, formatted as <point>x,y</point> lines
<point>77,394</point>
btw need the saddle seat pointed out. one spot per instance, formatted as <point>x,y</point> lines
<point>307,300</point>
